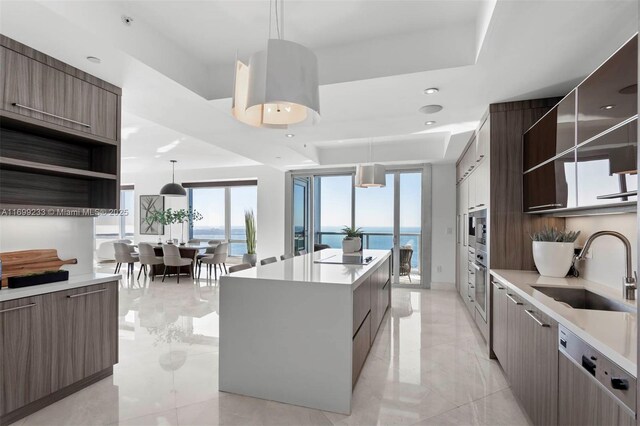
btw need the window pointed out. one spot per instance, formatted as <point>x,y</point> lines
<point>222,208</point>
<point>114,227</point>
<point>333,208</point>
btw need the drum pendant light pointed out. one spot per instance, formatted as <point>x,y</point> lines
<point>279,87</point>
<point>173,189</point>
<point>370,175</point>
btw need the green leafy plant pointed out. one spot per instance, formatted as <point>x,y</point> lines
<point>250,230</point>
<point>186,215</point>
<point>554,235</point>
<point>351,231</point>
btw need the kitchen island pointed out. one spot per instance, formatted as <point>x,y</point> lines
<point>299,331</point>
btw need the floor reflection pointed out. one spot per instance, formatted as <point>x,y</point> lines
<point>428,365</point>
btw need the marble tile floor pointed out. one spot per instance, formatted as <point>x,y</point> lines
<point>426,367</point>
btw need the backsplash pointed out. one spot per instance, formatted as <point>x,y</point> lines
<point>607,265</point>
<point>71,236</point>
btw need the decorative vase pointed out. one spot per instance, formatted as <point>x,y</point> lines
<point>351,244</point>
<point>553,259</point>
<point>251,259</point>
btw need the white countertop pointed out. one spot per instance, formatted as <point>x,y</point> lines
<point>7,294</point>
<point>305,269</point>
<point>614,334</point>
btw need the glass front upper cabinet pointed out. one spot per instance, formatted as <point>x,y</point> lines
<point>606,167</point>
<point>609,95</point>
<point>552,135</point>
<point>552,185</point>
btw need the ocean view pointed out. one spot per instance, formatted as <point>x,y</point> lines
<point>378,238</point>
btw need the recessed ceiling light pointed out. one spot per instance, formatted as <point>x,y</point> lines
<point>430,109</point>
<point>289,135</point>
<point>607,107</point>
<point>94,59</point>
<point>278,158</point>
<point>431,90</point>
<point>629,90</point>
<point>429,123</point>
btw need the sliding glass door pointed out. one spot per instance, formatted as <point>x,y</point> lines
<point>391,218</point>
<point>301,215</point>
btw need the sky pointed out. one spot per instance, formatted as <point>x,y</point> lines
<point>374,206</point>
<point>210,203</point>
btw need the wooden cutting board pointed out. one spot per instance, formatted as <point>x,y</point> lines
<point>25,262</point>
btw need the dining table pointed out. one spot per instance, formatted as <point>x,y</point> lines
<point>187,251</point>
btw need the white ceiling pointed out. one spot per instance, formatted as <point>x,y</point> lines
<point>376,58</point>
<point>147,146</point>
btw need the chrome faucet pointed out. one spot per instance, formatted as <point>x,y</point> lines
<point>629,281</point>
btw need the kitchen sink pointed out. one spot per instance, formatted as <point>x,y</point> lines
<point>580,298</point>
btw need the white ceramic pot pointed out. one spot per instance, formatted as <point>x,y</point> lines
<point>553,259</point>
<point>351,245</point>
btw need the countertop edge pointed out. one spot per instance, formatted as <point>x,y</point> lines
<point>605,349</point>
<point>8,294</point>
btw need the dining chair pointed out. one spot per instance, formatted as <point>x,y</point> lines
<point>240,267</point>
<point>214,242</point>
<point>124,254</point>
<point>217,260</point>
<point>268,260</point>
<point>171,257</point>
<point>286,256</point>
<point>301,252</point>
<point>148,258</point>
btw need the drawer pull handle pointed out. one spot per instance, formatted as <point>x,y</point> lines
<point>15,104</point>
<point>30,305</point>
<point>545,205</point>
<point>513,300</point>
<point>72,296</point>
<point>498,287</point>
<point>540,323</point>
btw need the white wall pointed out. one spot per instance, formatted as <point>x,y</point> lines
<point>443,210</point>
<point>270,206</point>
<point>607,263</point>
<point>71,236</point>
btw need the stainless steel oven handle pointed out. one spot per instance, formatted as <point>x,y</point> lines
<point>478,268</point>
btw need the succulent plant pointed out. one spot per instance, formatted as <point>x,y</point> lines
<point>554,235</point>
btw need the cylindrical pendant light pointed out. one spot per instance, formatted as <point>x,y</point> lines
<point>173,189</point>
<point>279,87</point>
<point>370,176</point>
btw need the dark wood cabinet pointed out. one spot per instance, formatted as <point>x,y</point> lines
<point>582,402</point>
<point>532,360</point>
<point>606,167</point>
<point>609,95</point>
<point>551,185</point>
<point>25,348</point>
<point>86,324</point>
<point>60,131</point>
<point>499,328</point>
<point>55,344</point>
<point>41,92</point>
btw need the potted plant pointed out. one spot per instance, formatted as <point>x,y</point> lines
<point>186,215</point>
<point>553,251</point>
<point>352,241</point>
<point>250,256</point>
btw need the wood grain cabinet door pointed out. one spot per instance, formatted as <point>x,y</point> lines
<point>33,89</point>
<point>499,322</point>
<point>86,322</point>
<point>542,366</point>
<point>25,348</point>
